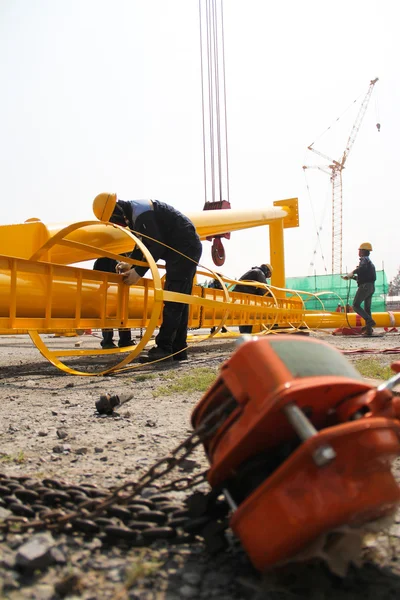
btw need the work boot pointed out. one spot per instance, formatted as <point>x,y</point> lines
<point>107,345</point>
<point>223,330</point>
<point>156,353</point>
<point>107,341</point>
<point>125,343</point>
<point>183,355</point>
<point>368,332</point>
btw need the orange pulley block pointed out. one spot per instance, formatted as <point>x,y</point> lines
<point>305,447</point>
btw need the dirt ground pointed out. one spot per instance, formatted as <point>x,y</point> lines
<point>49,428</point>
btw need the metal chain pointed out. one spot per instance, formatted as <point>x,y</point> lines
<point>210,424</point>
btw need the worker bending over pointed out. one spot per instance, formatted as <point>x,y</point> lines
<point>261,274</point>
<point>161,223</point>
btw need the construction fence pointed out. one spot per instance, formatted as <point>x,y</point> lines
<point>332,291</point>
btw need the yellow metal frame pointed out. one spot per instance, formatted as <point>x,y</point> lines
<point>40,294</point>
<point>53,356</point>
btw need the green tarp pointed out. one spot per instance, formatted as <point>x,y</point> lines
<point>339,291</point>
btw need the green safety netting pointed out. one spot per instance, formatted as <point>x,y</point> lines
<point>338,291</point>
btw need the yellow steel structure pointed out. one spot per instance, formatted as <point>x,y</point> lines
<point>41,293</point>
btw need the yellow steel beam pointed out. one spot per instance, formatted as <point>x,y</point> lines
<point>28,240</point>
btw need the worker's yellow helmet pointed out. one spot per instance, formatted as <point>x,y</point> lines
<point>103,206</point>
<point>267,267</point>
<point>366,246</point>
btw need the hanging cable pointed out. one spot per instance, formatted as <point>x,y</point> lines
<point>317,229</point>
<point>337,119</point>
<point>214,113</point>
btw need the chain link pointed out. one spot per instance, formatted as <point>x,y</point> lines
<point>124,493</point>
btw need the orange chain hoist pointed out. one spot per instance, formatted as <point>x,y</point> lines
<point>307,447</point>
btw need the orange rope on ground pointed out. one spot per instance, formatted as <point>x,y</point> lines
<point>372,351</point>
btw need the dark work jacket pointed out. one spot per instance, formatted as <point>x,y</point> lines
<point>365,271</point>
<point>254,274</point>
<point>164,223</point>
<point>107,264</point>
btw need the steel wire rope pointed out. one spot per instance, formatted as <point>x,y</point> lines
<point>217,102</point>
<point>211,55</point>
<point>225,111</point>
<point>317,229</point>
<point>203,103</point>
<point>210,99</point>
<point>336,120</point>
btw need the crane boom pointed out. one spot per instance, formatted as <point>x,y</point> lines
<point>358,121</point>
<point>335,168</point>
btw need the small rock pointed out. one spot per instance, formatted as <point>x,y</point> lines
<point>54,413</point>
<point>36,553</point>
<point>4,513</point>
<point>81,451</point>
<point>58,556</point>
<point>192,579</point>
<point>186,591</point>
<point>98,450</point>
<point>62,448</point>
<point>44,591</point>
<point>58,449</point>
<point>150,423</point>
<point>70,385</point>
<point>188,464</point>
<point>70,584</point>
<point>7,560</point>
<point>62,434</point>
<point>395,530</point>
<point>42,433</point>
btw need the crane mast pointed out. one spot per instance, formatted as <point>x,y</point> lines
<point>335,169</point>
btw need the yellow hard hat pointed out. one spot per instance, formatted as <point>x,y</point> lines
<point>366,246</point>
<point>267,266</point>
<point>103,206</point>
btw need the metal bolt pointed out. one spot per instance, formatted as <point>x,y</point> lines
<point>305,430</point>
<point>229,499</point>
<point>323,455</point>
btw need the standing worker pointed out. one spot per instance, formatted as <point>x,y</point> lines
<point>365,276</point>
<point>159,222</point>
<point>108,265</point>
<point>261,274</point>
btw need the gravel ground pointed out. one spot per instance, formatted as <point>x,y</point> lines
<point>50,429</point>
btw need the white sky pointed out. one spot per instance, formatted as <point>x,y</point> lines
<point>106,96</point>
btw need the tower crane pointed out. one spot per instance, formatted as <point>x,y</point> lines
<point>334,168</point>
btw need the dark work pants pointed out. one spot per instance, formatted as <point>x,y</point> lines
<point>364,294</point>
<point>180,273</point>
<point>108,266</point>
<point>245,328</point>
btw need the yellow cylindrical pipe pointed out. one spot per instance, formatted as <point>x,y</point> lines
<point>336,320</point>
<point>217,222</point>
<point>34,290</point>
<point>42,291</point>
<point>24,240</point>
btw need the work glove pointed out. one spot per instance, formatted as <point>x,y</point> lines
<point>130,277</point>
<point>122,267</point>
